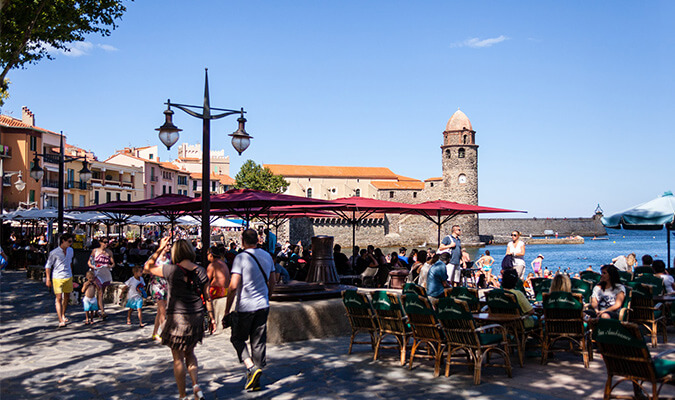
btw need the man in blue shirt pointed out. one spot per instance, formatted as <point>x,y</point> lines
<point>437,279</point>
<point>453,245</point>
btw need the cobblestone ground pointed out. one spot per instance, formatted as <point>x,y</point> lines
<point>110,360</point>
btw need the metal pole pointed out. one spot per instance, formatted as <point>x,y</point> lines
<point>668,241</point>
<point>206,173</point>
<point>61,186</point>
<point>439,227</point>
<point>2,197</point>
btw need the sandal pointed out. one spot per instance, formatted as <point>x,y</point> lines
<point>198,392</point>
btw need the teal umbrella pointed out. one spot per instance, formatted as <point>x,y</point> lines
<point>652,215</point>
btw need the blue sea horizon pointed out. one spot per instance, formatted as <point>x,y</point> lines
<point>577,257</point>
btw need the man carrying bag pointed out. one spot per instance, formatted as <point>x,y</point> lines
<point>252,280</point>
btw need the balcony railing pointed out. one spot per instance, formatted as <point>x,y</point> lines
<point>51,158</point>
<point>50,183</point>
<point>154,179</point>
<point>77,185</point>
<point>128,184</point>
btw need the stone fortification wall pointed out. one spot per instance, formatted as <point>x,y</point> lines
<point>496,229</point>
<point>385,231</point>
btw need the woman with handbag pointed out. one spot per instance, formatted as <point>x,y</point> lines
<point>187,282</point>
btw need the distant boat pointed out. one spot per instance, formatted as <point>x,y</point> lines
<point>600,238</point>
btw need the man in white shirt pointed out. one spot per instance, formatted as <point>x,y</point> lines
<point>60,260</point>
<point>252,280</point>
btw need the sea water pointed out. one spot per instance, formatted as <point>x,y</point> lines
<point>577,257</point>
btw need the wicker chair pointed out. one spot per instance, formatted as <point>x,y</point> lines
<point>626,355</point>
<point>414,289</point>
<point>425,329</point>
<point>361,317</point>
<point>564,320</point>
<point>392,321</point>
<point>469,295</point>
<point>650,280</point>
<point>539,286</point>
<point>645,269</point>
<point>644,312</point>
<point>500,301</point>
<point>462,334</point>
<point>590,276</point>
<point>582,287</point>
<point>625,277</point>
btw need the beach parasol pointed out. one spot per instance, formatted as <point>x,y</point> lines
<point>441,211</point>
<point>652,215</point>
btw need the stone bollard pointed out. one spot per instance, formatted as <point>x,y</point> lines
<point>113,294</point>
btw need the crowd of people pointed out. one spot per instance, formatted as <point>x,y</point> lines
<point>184,293</point>
<point>165,272</point>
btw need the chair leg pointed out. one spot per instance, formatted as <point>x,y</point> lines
<point>447,361</point>
<point>403,343</point>
<point>412,352</point>
<point>665,332</point>
<point>477,367</point>
<point>654,334</point>
<point>608,388</point>
<point>584,352</point>
<point>377,347</point>
<point>439,358</point>
<point>351,342</point>
<point>544,351</point>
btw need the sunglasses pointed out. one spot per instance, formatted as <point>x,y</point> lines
<point>513,234</point>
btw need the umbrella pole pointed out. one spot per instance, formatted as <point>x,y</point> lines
<point>668,241</point>
<point>438,225</point>
<point>353,239</point>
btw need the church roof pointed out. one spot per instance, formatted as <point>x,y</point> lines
<point>321,171</point>
<point>459,121</point>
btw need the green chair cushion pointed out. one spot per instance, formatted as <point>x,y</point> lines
<point>658,313</point>
<point>663,367</point>
<point>489,338</point>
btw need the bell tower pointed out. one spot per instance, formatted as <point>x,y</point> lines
<point>459,153</point>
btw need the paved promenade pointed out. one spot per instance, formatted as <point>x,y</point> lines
<point>111,360</point>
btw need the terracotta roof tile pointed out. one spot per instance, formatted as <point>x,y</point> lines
<point>214,177</point>
<point>401,185</point>
<point>331,172</point>
<point>433,179</point>
<point>10,122</point>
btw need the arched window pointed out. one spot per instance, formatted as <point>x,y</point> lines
<point>462,178</point>
<point>391,195</point>
<point>309,192</point>
<point>447,153</point>
<point>357,193</point>
<point>464,140</point>
<point>461,153</point>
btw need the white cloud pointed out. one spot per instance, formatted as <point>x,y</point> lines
<point>107,47</point>
<point>77,49</point>
<point>477,43</point>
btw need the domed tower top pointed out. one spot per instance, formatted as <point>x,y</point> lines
<point>458,131</point>
<point>458,122</point>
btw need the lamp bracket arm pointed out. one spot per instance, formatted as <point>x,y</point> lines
<point>225,114</point>
<point>185,108</point>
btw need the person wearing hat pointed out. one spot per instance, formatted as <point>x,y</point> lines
<point>536,265</point>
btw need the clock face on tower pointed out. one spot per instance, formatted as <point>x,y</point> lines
<point>462,178</point>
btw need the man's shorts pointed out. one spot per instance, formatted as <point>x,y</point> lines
<point>62,285</point>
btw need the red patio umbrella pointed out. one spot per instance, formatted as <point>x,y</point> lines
<point>245,203</point>
<point>434,210</point>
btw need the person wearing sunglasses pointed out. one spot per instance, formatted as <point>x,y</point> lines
<point>101,261</point>
<point>516,248</point>
<point>60,260</point>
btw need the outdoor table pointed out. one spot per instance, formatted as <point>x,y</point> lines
<point>665,299</point>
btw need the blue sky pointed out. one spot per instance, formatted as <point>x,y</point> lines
<point>572,102</point>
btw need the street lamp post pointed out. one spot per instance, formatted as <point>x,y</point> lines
<point>36,172</point>
<point>169,133</point>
